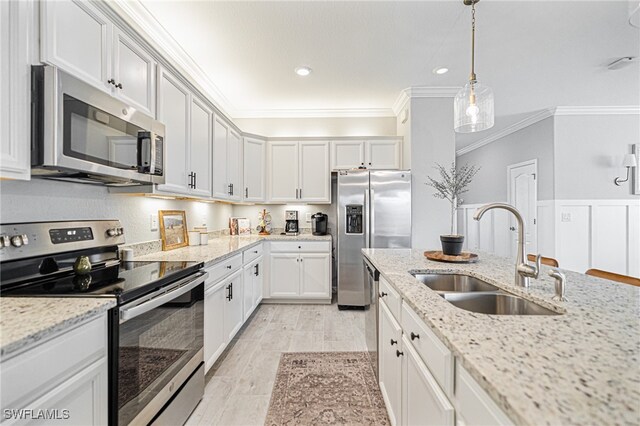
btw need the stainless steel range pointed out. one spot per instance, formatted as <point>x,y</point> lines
<point>156,369</point>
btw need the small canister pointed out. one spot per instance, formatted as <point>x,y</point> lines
<point>126,255</point>
<point>194,238</point>
<point>204,238</point>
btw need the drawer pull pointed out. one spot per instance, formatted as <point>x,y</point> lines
<point>299,247</point>
<point>414,336</point>
<point>228,266</point>
<point>394,342</point>
<point>383,294</point>
<point>255,251</point>
<point>399,354</point>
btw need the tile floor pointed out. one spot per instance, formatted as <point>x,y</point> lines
<point>238,386</point>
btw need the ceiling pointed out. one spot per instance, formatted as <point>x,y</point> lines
<point>534,54</point>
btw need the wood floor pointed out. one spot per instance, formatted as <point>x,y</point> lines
<point>238,386</point>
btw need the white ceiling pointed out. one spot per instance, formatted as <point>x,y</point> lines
<point>534,54</point>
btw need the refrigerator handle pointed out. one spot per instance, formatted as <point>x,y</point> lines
<point>372,214</point>
<point>365,219</point>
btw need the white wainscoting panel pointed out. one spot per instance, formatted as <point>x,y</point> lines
<point>490,234</point>
<point>573,236</point>
<point>546,229</point>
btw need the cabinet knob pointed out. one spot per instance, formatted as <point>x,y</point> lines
<point>111,81</point>
<point>399,354</point>
<point>369,163</point>
<point>299,247</point>
<point>394,342</point>
<point>414,336</point>
<point>119,85</point>
<point>383,294</point>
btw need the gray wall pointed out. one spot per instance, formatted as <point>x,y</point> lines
<point>432,141</point>
<point>490,184</point>
<point>589,150</point>
<point>40,200</point>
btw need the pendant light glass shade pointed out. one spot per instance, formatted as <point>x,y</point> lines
<point>473,108</point>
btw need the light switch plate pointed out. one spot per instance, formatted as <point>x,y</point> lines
<point>154,222</point>
<point>566,217</point>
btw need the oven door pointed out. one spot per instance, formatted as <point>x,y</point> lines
<point>160,345</point>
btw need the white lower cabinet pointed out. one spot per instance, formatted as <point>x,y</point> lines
<point>68,372</point>
<point>285,275</point>
<point>315,273</point>
<point>390,363</point>
<point>214,337</point>
<point>252,286</point>
<point>233,313</point>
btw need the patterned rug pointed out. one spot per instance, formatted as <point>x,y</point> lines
<point>326,388</point>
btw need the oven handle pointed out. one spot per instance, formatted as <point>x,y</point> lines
<point>161,297</point>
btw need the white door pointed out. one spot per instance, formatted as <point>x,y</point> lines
<point>423,402</point>
<point>248,304</point>
<point>15,87</point>
<point>221,187</point>
<point>315,277</point>
<point>254,169</point>
<point>283,171</point>
<point>284,275</point>
<point>523,194</point>
<point>134,72</point>
<point>76,37</point>
<point>315,172</point>
<point>347,154</point>
<point>214,332</point>
<point>173,111</point>
<point>390,364</point>
<point>200,147</point>
<point>233,315</point>
<point>258,281</point>
<point>382,154</point>
<point>234,168</point>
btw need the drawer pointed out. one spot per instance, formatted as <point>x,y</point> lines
<point>390,297</point>
<point>224,268</point>
<point>301,246</point>
<point>253,253</point>
<point>436,356</point>
<point>33,373</point>
<point>473,404</point>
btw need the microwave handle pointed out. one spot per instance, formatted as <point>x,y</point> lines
<point>153,141</point>
<point>163,297</point>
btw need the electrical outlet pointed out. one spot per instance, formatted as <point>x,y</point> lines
<point>154,222</point>
<point>566,217</point>
<point>204,221</point>
<point>308,217</point>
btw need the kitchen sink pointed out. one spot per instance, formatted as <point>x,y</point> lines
<point>498,303</point>
<point>454,283</point>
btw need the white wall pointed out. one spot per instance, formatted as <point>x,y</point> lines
<point>41,200</point>
<point>318,127</point>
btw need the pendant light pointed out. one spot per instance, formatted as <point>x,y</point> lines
<point>473,104</point>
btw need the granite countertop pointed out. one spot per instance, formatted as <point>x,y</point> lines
<point>25,321</point>
<point>224,247</point>
<point>581,367</point>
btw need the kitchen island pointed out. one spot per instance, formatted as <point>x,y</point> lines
<point>579,367</point>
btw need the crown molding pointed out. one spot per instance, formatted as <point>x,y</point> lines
<point>528,121</point>
<point>546,113</point>
<point>422,92</point>
<point>316,113</point>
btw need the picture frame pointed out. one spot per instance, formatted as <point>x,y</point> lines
<point>173,229</point>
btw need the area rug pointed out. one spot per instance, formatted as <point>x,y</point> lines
<point>320,388</point>
<point>139,367</point>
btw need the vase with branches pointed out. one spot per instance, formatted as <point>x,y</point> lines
<point>452,183</point>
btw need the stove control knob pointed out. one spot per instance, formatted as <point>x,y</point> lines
<point>16,241</point>
<point>4,241</point>
<point>25,239</point>
<point>120,231</point>
<point>112,232</point>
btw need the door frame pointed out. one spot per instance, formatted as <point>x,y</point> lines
<point>533,162</point>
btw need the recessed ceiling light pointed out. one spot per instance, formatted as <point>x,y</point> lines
<point>303,71</point>
<point>440,70</point>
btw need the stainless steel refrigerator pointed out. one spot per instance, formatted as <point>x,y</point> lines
<point>374,211</point>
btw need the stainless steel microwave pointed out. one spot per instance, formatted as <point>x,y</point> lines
<point>83,134</point>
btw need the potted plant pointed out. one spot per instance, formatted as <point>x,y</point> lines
<point>450,186</point>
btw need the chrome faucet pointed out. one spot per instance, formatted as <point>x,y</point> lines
<point>524,271</point>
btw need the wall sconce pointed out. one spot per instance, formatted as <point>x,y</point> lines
<point>628,162</point>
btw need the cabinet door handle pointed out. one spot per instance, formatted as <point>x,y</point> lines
<point>301,193</point>
<point>119,86</point>
<point>399,354</point>
<point>195,180</point>
<point>230,189</point>
<point>111,81</point>
<point>257,270</point>
<point>383,294</point>
<point>414,336</point>
<point>228,292</point>
<point>228,266</point>
<point>246,192</point>
<point>394,342</point>
<point>231,291</point>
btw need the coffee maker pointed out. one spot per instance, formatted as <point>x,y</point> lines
<point>291,222</point>
<point>319,224</point>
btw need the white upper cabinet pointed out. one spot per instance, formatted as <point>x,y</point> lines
<point>315,173</point>
<point>134,72</point>
<point>173,111</point>
<point>347,155</point>
<point>383,154</point>
<point>76,37</point>
<point>283,171</point>
<point>254,169</point>
<point>234,165</point>
<point>299,171</point>
<point>15,75</point>
<point>221,187</point>
<point>201,136</point>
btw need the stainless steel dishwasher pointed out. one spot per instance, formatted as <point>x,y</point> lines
<point>371,277</point>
